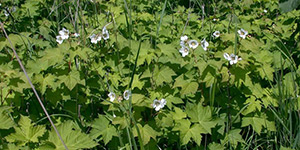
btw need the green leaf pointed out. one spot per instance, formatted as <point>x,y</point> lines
<point>168,49</point>
<point>285,148</point>
<point>233,137</point>
<point>187,87</point>
<point>163,75</point>
<point>12,146</point>
<point>146,133</point>
<point>31,6</point>
<point>102,127</point>
<point>289,5</point>
<point>109,133</point>
<point>178,114</point>
<point>208,76</point>
<point>256,122</point>
<point>186,133</point>
<point>72,136</point>
<point>252,44</point>
<point>51,57</point>
<point>202,115</point>
<point>137,83</point>
<point>215,146</point>
<point>253,105</point>
<point>26,132</point>
<point>45,82</point>
<point>183,126</point>
<point>164,120</point>
<point>140,100</point>
<point>5,121</point>
<point>72,79</point>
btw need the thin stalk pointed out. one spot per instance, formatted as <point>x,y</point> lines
<point>33,88</point>
<point>212,90</point>
<point>160,21</point>
<point>129,138</point>
<point>236,40</point>
<point>130,100</point>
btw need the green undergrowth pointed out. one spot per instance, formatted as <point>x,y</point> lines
<point>203,100</point>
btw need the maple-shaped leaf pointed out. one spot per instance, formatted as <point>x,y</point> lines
<point>187,86</point>
<point>233,137</point>
<point>140,100</point>
<point>26,132</point>
<point>187,132</point>
<point>72,137</point>
<point>215,146</point>
<point>44,82</point>
<point>137,83</point>
<point>71,79</point>
<point>5,121</point>
<point>202,115</point>
<point>163,74</point>
<point>12,146</point>
<point>146,132</point>
<point>178,114</point>
<point>51,57</point>
<point>101,126</point>
<point>253,105</point>
<point>258,122</point>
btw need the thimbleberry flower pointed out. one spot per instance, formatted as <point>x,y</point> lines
<point>216,34</point>
<point>193,44</point>
<point>242,33</point>
<point>64,33</point>
<point>159,104</point>
<point>184,51</point>
<point>127,94</point>
<point>112,96</point>
<point>184,38</point>
<point>59,39</point>
<point>204,44</point>
<point>233,59</point>
<point>95,38</point>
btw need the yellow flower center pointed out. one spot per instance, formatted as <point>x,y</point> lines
<point>186,50</point>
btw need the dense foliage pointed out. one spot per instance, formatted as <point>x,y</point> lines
<point>123,74</point>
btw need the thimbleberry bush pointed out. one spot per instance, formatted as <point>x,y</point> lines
<point>124,74</point>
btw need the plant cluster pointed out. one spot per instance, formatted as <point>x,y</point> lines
<point>125,74</point>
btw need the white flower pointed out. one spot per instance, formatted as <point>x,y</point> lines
<point>112,96</point>
<point>64,33</point>
<point>204,44</point>
<point>127,94</point>
<point>184,51</point>
<point>216,34</point>
<point>193,44</point>
<point>184,38</point>
<point>182,43</point>
<point>59,39</point>
<point>76,35</point>
<point>95,38</point>
<point>243,33</point>
<point>105,34</point>
<point>159,104</point>
<point>265,11</point>
<point>6,13</point>
<point>233,59</point>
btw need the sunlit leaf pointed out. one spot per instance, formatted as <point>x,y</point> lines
<point>26,132</point>
<point>72,136</point>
